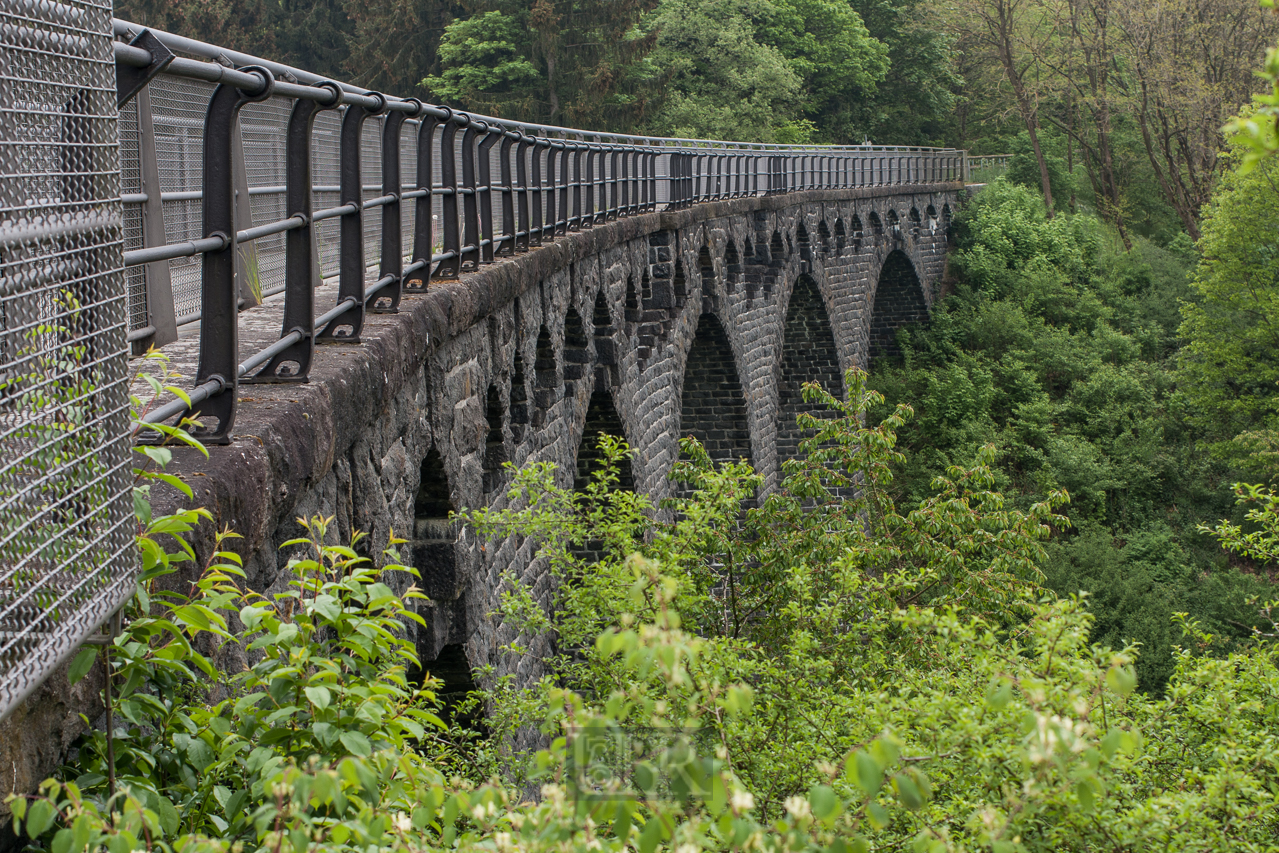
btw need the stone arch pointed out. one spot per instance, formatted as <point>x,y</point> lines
<point>858,233</point>
<point>712,403</point>
<point>748,250</point>
<point>432,546</point>
<point>805,244</point>
<point>577,359</point>
<point>605,346</point>
<point>823,235</point>
<point>841,236</point>
<point>898,302</point>
<point>732,266</point>
<point>914,222</point>
<point>809,354</point>
<point>776,248</point>
<point>876,228</point>
<point>946,218</point>
<point>601,419</point>
<point>931,215</point>
<point>495,442</point>
<point>894,224</point>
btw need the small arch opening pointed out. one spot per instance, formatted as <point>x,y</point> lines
<point>605,349</point>
<point>748,251</point>
<point>805,245</point>
<point>706,268</point>
<point>601,419</point>
<point>646,287</point>
<point>876,228</point>
<point>712,404</point>
<point>576,357</point>
<point>894,225</point>
<point>495,443</point>
<point>519,399</point>
<point>545,373</point>
<point>732,266</point>
<point>776,248</point>
<point>914,223</point>
<point>679,284</point>
<point>432,545</point>
<point>931,216</point>
<point>823,235</point>
<point>632,300</point>
<point>841,236</point>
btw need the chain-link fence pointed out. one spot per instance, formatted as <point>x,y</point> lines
<point>65,509</point>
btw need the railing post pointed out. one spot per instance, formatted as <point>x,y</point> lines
<point>525,229</point>
<point>576,220</point>
<point>391,262</point>
<point>470,211</point>
<point>484,193</point>
<point>294,363</point>
<point>246,256</point>
<point>552,222</point>
<point>423,224</point>
<point>508,196</point>
<point>535,195</point>
<point>346,327</point>
<point>159,285</point>
<point>451,265</point>
<point>219,325</point>
<point>588,185</point>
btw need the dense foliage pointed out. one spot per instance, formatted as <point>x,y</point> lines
<point>1060,348</point>
<point>818,673</point>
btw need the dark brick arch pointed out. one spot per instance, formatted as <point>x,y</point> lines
<point>601,419</point>
<point>809,354</point>
<point>898,301</point>
<point>712,404</point>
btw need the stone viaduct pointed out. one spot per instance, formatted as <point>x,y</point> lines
<point>702,321</point>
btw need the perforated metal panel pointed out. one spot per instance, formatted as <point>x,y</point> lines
<point>66,559</point>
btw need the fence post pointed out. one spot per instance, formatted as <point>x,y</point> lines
<point>423,224</point>
<point>246,256</point>
<point>452,244</point>
<point>391,262</point>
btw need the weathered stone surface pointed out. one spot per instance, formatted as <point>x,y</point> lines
<point>394,432</point>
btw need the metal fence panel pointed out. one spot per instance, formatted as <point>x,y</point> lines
<point>66,559</point>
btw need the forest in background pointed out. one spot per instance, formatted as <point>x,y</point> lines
<point>1100,332</point>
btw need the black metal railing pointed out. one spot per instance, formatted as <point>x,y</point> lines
<point>480,189</point>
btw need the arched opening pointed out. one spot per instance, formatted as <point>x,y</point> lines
<point>519,400</point>
<point>605,349</point>
<point>899,302</point>
<point>876,229</point>
<point>808,355</point>
<point>546,377</point>
<point>706,269</point>
<point>679,285</point>
<point>858,233</point>
<point>823,234</point>
<point>776,248</point>
<point>805,246</point>
<point>494,443</point>
<point>577,359</point>
<point>931,215</point>
<point>712,405</point>
<point>601,419</point>
<point>945,218</point>
<point>453,669</point>
<point>748,251</point>
<point>841,236</point>
<point>914,223</point>
<point>894,225</point>
<point>646,288</point>
<point>732,266</point>
<point>432,544</point>
<point>632,300</point>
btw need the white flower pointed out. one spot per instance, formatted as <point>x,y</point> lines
<point>798,807</point>
<point>743,801</point>
<point>503,841</point>
<point>403,822</point>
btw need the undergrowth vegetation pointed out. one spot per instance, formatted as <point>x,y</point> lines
<point>816,673</point>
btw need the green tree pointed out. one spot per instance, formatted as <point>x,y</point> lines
<point>1230,365</point>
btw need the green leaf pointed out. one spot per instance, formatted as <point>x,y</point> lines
<point>61,842</point>
<point>866,772</point>
<point>82,663</point>
<point>319,697</point>
<point>39,818</point>
<point>878,815</point>
<point>651,835</point>
<point>356,743</point>
<point>825,803</point>
<point>908,792</point>
<point>1121,679</point>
